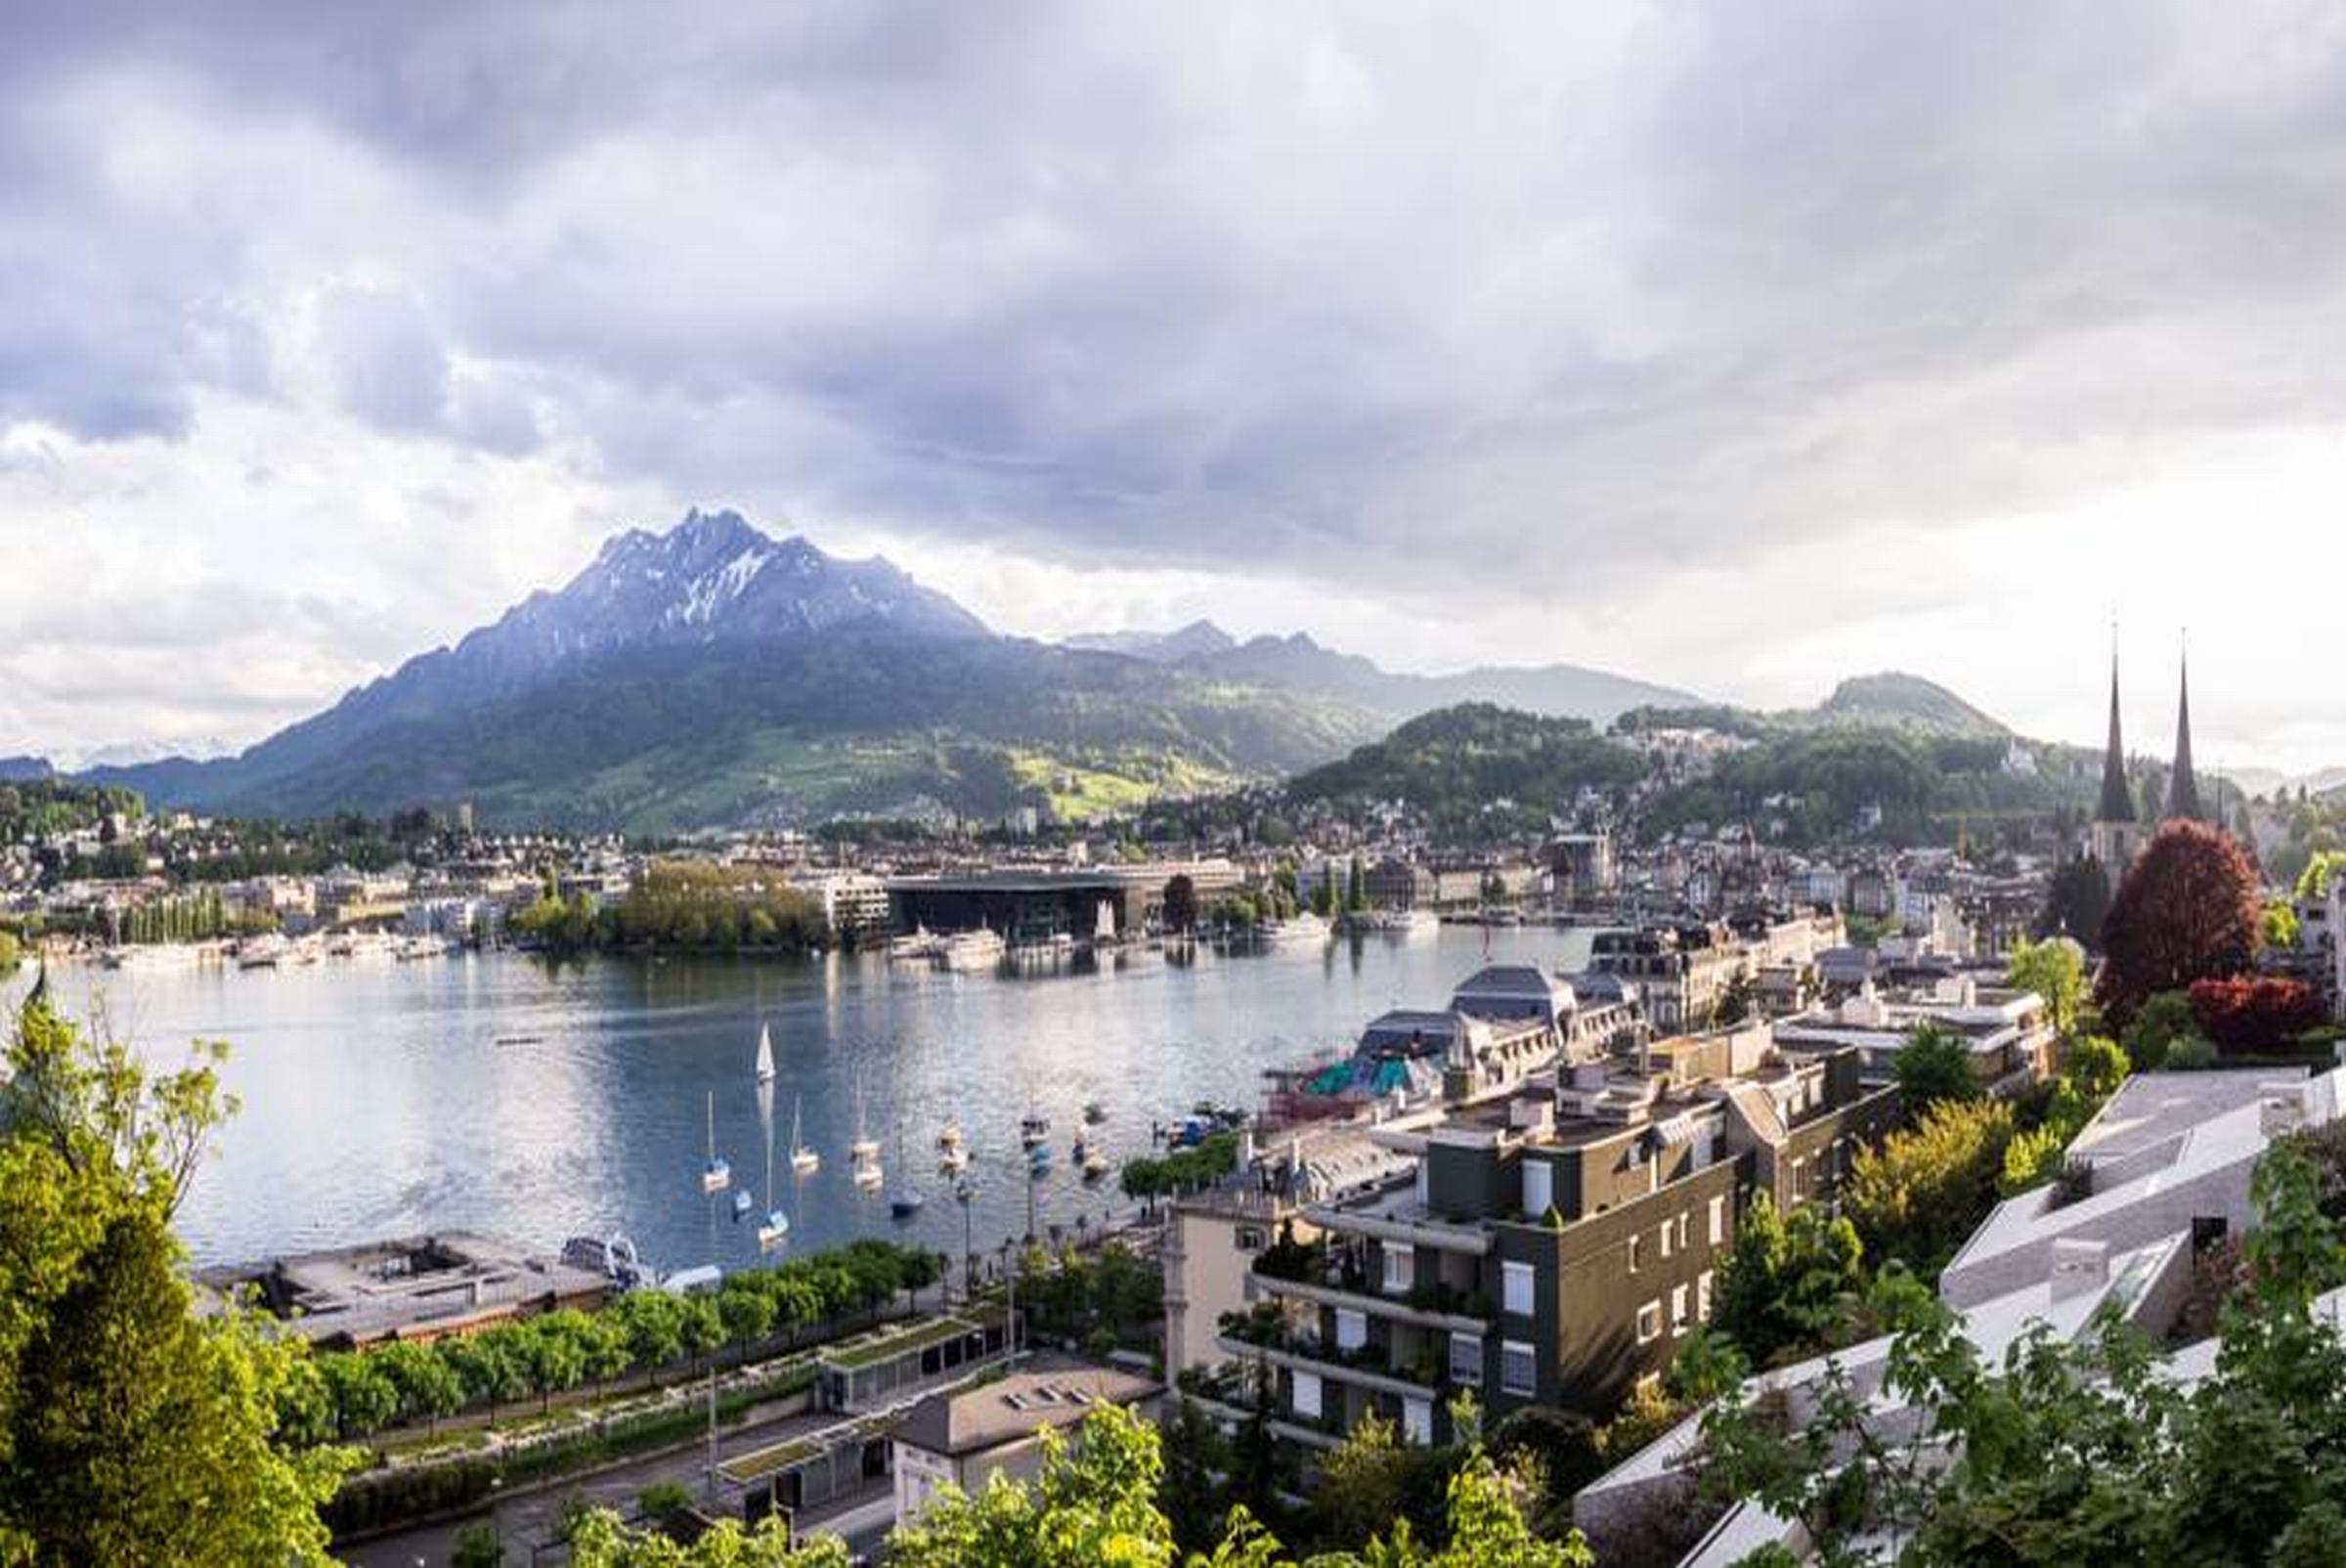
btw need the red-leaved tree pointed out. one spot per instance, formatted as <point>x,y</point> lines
<point>2255,1012</point>
<point>2186,911</point>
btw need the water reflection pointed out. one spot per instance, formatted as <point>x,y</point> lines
<point>503,1094</point>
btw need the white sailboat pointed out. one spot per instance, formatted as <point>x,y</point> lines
<point>803,1162</point>
<point>765,1054</point>
<point>866,1148</point>
<point>776,1225</point>
<point>717,1175</point>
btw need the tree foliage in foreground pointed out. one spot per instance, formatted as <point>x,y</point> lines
<point>2081,1454</point>
<point>1096,1502</point>
<point>131,1430</point>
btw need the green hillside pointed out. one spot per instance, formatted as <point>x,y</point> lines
<point>1458,764</point>
<point>661,740</point>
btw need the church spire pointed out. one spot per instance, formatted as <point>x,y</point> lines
<point>2182,795</point>
<point>2117,799</point>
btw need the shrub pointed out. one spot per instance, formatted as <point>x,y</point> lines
<point>2192,1055</point>
<point>2249,1013</point>
<point>2157,1024</point>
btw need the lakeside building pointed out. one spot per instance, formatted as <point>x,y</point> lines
<point>855,903</point>
<point>1553,1245</point>
<point>966,1437</point>
<point>416,1288</point>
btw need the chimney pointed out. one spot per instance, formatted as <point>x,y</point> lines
<point>2079,1266</point>
<point>2281,1107</point>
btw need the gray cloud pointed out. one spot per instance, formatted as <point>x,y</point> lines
<point>1369,295</point>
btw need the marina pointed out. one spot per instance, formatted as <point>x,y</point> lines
<point>498,1094</point>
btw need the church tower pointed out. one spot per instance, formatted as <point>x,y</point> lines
<point>2182,795</point>
<point>2117,833</point>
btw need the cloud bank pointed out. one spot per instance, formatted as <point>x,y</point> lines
<point>1738,347</point>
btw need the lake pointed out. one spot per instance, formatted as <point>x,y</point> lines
<point>497,1093</point>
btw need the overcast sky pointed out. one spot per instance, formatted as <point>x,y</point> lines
<point>1737,346</point>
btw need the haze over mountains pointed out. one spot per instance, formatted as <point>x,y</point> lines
<point>714,675</point>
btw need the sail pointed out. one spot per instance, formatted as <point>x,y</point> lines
<point>765,1054</point>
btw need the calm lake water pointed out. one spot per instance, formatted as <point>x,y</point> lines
<point>499,1094</point>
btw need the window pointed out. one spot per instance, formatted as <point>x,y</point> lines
<point>1678,1323</point>
<point>1666,1241</point>
<point>1538,1188</point>
<point>1251,1239</point>
<point>1467,1360</point>
<point>1307,1395</point>
<point>1401,1269</point>
<point>1799,1179</point>
<point>1351,1328</point>
<point>1636,1247</point>
<point>1702,1295</point>
<point>1418,1422</point>
<point>1685,1232</point>
<point>1518,1368</point>
<point>1649,1323</point>
<point>1515,1281</point>
<point>1718,1220</point>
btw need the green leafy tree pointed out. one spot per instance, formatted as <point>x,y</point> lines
<point>428,1387</point>
<point>1791,1284</point>
<point>2082,1452</point>
<point>2161,1022</point>
<point>1916,1197</point>
<point>599,1540</point>
<point>365,1399</point>
<point>131,1431</point>
<point>1934,1066</point>
<point>2078,900</point>
<point>2055,969</point>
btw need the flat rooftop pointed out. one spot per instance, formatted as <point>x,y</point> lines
<point>1012,1409</point>
<point>2153,1108</point>
<point>442,1281</point>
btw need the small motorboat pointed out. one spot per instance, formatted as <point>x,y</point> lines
<point>1094,1112</point>
<point>772,1231</point>
<point>953,1162</point>
<point>1038,1160</point>
<point>905,1201</point>
<point>742,1205</point>
<point>1033,1128</point>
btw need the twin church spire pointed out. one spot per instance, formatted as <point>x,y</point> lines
<point>2182,789</point>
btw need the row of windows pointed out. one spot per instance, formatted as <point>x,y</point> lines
<point>1677,1232</point>
<point>1684,1314</point>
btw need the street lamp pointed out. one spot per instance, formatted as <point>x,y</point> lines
<point>962,1191</point>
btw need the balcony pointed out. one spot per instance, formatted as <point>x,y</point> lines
<point>1266,1333</point>
<point>1335,1277</point>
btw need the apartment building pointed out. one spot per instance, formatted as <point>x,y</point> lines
<point>2009,1033</point>
<point>1680,972</point>
<point>1554,1246</point>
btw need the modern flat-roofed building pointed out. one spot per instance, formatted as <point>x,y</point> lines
<point>2009,1033</point>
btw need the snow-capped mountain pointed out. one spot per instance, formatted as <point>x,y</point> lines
<point>712,578</point>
